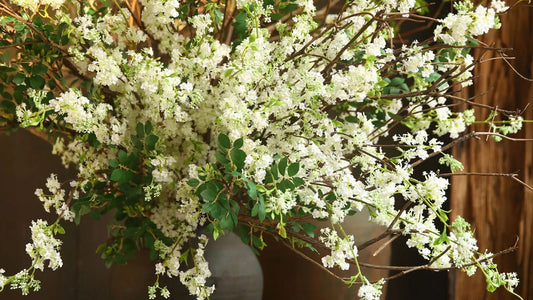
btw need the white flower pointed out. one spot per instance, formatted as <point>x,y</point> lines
<point>195,278</point>
<point>202,24</point>
<point>3,279</point>
<point>79,112</point>
<point>33,4</point>
<point>371,291</point>
<point>499,6</point>
<point>105,65</point>
<point>159,268</point>
<point>44,246</point>
<point>484,20</point>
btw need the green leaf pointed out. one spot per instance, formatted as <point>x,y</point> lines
<point>223,142</point>
<point>6,96</point>
<point>123,157</point>
<point>151,140</point>
<point>148,127</point>
<point>281,230</point>
<point>244,232</point>
<point>58,229</point>
<point>215,210</point>
<point>64,40</point>
<point>397,81</point>
<point>297,181</point>
<point>240,25</point>
<point>140,130</point>
<point>285,184</point>
<point>289,8</point>
<point>219,17</point>
<point>19,78</point>
<point>6,56</point>
<point>226,222</point>
<point>216,234</point>
<point>309,229</point>
<point>282,165</point>
<point>238,156</point>
<point>39,69</point>
<point>136,142</point>
<point>37,82</point>
<point>293,169</point>
<point>238,143</point>
<point>274,172</point>
<point>295,227</point>
<point>129,247</point>
<point>210,193</point>
<point>276,17</point>
<point>255,209</point>
<point>261,210</point>
<point>251,190</point>
<point>433,77</point>
<point>351,119</point>
<point>8,106</point>
<point>441,239</point>
<point>92,140</point>
<point>19,27</point>
<point>121,175</point>
<point>221,158</point>
<point>84,209</point>
<point>383,83</point>
<point>393,90</point>
<point>258,242</point>
<point>193,182</point>
<point>113,163</point>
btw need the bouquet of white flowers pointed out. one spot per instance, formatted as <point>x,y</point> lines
<point>257,117</point>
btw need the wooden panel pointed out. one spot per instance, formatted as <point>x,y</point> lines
<point>500,209</point>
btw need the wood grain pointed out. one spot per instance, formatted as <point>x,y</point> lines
<point>499,208</point>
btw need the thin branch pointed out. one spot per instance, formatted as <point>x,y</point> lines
<point>504,137</point>
<point>389,229</point>
<point>385,245</point>
<point>314,262</point>
<point>515,70</point>
<point>513,176</point>
<point>478,174</point>
<point>469,101</point>
<point>408,269</point>
<point>522,183</point>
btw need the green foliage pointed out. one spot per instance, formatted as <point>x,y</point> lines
<point>395,85</point>
<point>229,195</point>
<point>451,162</point>
<point>241,27</point>
<point>123,194</point>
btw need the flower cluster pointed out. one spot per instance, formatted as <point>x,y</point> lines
<point>44,246</point>
<point>342,249</point>
<point>56,199</point>
<point>264,118</point>
<point>371,291</point>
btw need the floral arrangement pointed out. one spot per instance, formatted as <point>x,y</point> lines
<point>258,117</point>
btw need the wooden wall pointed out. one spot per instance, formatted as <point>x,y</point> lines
<point>499,208</point>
